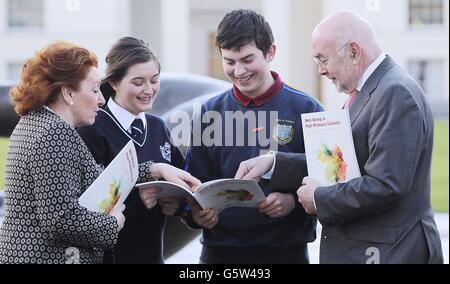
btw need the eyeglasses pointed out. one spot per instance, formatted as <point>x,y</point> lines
<point>323,63</point>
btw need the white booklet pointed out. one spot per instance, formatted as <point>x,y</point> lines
<point>329,147</point>
<point>114,184</point>
<point>218,194</point>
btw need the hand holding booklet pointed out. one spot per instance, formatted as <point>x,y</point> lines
<point>218,194</point>
<point>114,184</point>
<point>330,152</point>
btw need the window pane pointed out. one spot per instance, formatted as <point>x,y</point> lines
<point>215,60</point>
<point>430,76</point>
<point>426,12</point>
<point>25,13</point>
<point>14,69</point>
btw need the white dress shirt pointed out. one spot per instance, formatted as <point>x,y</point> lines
<point>124,117</point>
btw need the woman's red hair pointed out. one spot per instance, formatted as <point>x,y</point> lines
<point>57,65</point>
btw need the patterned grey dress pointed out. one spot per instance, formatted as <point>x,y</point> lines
<point>48,167</point>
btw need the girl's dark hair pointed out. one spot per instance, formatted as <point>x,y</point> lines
<point>125,53</point>
<point>241,27</point>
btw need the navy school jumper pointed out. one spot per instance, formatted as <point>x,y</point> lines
<point>244,235</point>
<point>141,239</point>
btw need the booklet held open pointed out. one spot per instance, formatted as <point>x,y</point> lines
<point>218,194</point>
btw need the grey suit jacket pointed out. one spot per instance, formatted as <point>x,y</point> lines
<point>386,214</point>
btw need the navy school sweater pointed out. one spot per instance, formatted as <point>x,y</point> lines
<point>140,241</point>
<point>247,228</point>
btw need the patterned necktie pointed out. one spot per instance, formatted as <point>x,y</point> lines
<point>351,99</point>
<point>137,130</point>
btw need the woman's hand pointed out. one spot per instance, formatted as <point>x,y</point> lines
<point>175,175</point>
<point>149,196</point>
<point>118,214</point>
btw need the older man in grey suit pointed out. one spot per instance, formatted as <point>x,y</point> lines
<point>385,216</point>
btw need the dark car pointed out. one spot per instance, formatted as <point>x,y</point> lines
<point>175,90</point>
<point>8,116</point>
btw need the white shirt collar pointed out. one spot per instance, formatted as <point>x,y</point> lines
<point>372,67</point>
<point>124,117</point>
<point>49,109</point>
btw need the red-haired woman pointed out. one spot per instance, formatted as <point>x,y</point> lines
<point>49,166</point>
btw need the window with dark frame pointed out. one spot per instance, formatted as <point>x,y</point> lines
<point>426,12</point>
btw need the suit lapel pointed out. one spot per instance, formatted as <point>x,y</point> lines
<point>358,105</point>
<point>371,84</point>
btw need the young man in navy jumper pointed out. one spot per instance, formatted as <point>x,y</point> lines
<point>279,230</point>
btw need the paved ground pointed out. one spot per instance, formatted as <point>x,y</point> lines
<point>190,253</point>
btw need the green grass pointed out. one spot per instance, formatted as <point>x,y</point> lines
<point>3,150</point>
<point>439,171</point>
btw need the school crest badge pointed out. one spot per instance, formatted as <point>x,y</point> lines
<point>282,134</point>
<point>166,152</point>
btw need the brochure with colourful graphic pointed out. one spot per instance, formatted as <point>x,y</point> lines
<point>218,194</point>
<point>114,184</point>
<point>329,147</point>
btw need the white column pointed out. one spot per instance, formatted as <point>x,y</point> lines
<point>3,40</point>
<point>278,15</point>
<point>175,20</point>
